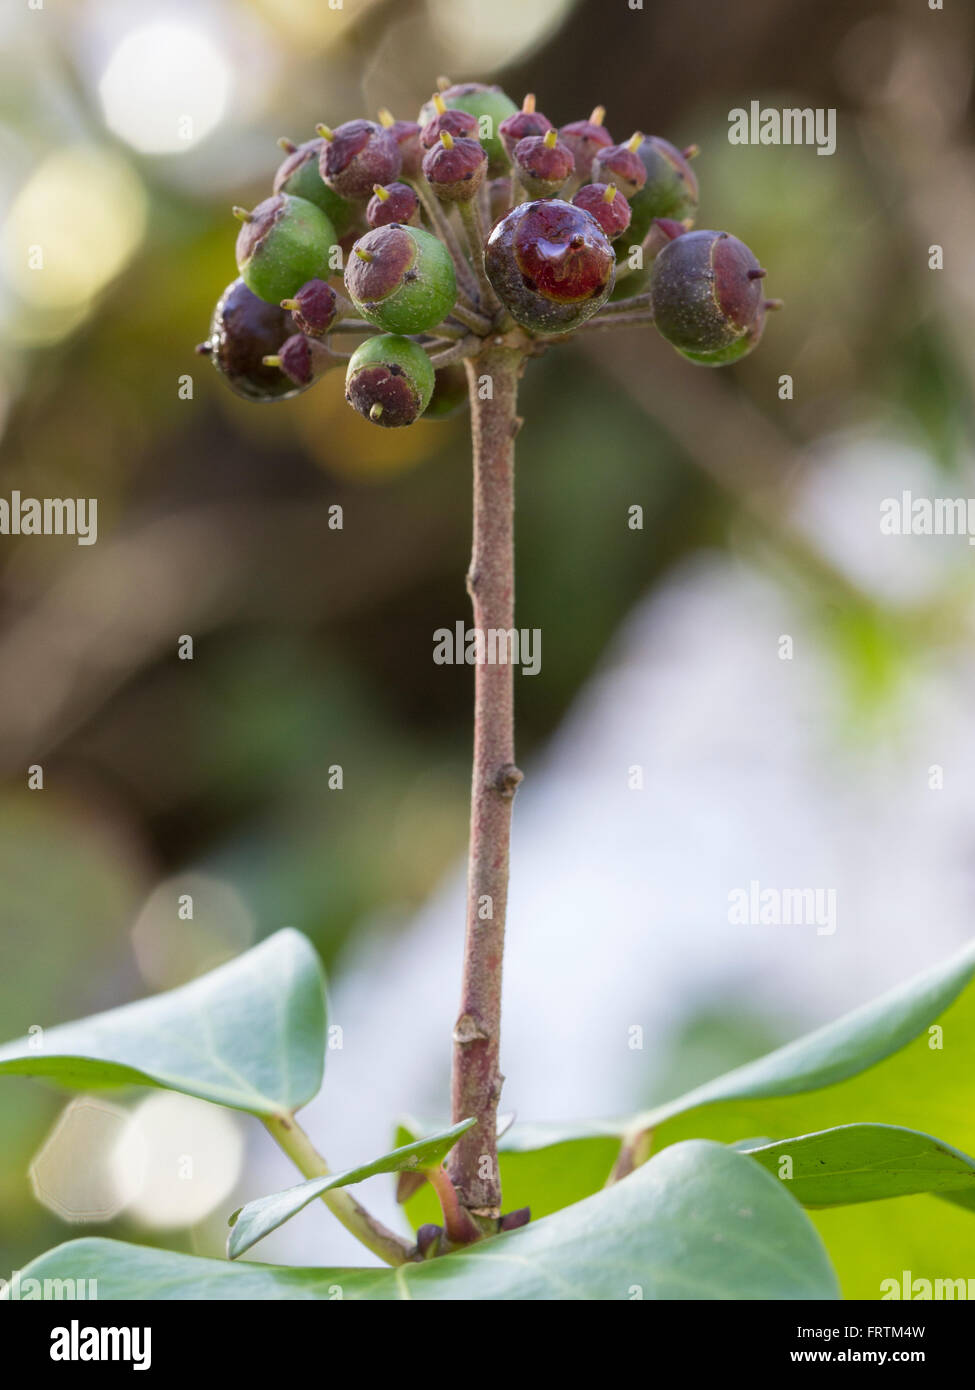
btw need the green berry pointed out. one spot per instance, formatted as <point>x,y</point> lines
<point>401,279</point>
<point>389,381</point>
<point>283,243</point>
<point>299,175</point>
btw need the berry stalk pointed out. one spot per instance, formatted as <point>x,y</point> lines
<point>477,1079</point>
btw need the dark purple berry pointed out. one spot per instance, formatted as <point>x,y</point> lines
<point>397,203</point>
<point>455,169</point>
<point>542,164</point>
<point>522,123</point>
<point>550,264</point>
<point>622,165</point>
<point>243,331</point>
<point>585,139</point>
<point>607,205</point>
<point>358,155</point>
<point>314,308</point>
<point>706,291</point>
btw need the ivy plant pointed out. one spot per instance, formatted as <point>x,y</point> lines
<point>471,241</point>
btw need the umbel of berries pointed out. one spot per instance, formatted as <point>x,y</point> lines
<point>707,297</point>
<point>401,279</point>
<point>551,265</point>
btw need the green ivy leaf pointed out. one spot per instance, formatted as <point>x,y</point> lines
<point>866,1163</point>
<point>265,1214</point>
<point>700,1222</point>
<point>249,1035</point>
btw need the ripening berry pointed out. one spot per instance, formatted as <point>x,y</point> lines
<point>397,203</point>
<point>522,123</point>
<point>303,359</point>
<point>706,291</point>
<point>542,164</point>
<point>314,308</point>
<point>455,168</point>
<point>358,155</point>
<point>489,106</point>
<point>460,124</point>
<point>550,264</point>
<point>401,279</point>
<point>670,190</point>
<point>243,331</point>
<point>299,175</point>
<point>283,242</point>
<point>407,137</point>
<point>621,165</point>
<point>450,393</point>
<point>389,380</point>
<point>585,139</point>
<point>607,205</point>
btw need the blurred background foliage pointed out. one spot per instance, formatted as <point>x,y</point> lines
<point>311,646</point>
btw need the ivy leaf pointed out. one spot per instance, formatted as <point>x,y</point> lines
<point>249,1035</point>
<point>699,1221</point>
<point>866,1163</point>
<point>265,1214</point>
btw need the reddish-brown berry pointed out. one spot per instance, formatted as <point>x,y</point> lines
<point>622,165</point>
<point>522,123</point>
<point>302,359</point>
<point>607,205</point>
<point>314,308</point>
<point>551,265</point>
<point>397,203</point>
<point>358,155</point>
<point>585,139</point>
<point>455,169</point>
<point>407,137</point>
<point>542,164</point>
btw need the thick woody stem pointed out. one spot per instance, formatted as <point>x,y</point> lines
<point>477,1079</point>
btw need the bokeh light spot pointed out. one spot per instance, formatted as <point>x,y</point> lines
<point>165,88</point>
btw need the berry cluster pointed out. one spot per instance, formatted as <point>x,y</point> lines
<point>479,222</point>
